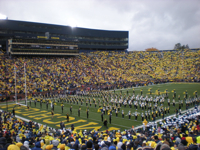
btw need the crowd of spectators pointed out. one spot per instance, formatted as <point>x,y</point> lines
<point>98,70</point>
<point>173,133</point>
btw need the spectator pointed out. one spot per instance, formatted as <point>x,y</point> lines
<point>37,146</point>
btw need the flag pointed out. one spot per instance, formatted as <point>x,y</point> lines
<point>100,109</point>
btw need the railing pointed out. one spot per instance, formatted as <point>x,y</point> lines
<point>29,53</point>
<point>20,43</point>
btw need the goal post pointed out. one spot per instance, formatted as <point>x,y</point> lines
<point>21,102</point>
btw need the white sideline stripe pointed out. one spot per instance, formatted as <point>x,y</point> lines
<point>27,120</point>
<point>12,103</point>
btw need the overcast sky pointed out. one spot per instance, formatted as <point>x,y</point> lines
<point>151,23</point>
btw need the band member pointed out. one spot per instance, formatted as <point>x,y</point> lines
<point>53,106</point>
<point>105,123</point>
<point>158,92</point>
<point>165,110</point>
<point>129,114</point>
<point>110,118</point>
<point>47,104</point>
<point>174,93</point>
<point>149,114</point>
<point>176,111</point>
<point>163,115</point>
<point>79,111</point>
<point>52,113</point>
<point>174,102</point>
<point>166,93</point>
<point>87,112</point>
<point>67,115</point>
<point>122,113</point>
<point>179,104</point>
<point>186,94</point>
<point>146,115</point>
<point>71,109</point>
<point>104,110</point>
<point>136,115</point>
<point>168,109</point>
<point>13,112</point>
<point>40,103</point>
<point>168,102</point>
<point>62,107</point>
<point>86,103</point>
<point>142,116</point>
<point>196,94</point>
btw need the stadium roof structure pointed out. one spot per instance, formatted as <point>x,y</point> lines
<point>21,38</point>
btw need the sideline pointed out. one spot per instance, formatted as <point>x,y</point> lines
<point>137,88</point>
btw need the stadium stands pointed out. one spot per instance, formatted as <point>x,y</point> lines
<point>98,70</point>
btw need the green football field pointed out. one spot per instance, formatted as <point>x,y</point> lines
<point>43,116</point>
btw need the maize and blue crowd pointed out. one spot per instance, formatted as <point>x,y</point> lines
<point>99,70</point>
<point>102,70</point>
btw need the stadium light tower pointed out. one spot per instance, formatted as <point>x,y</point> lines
<point>3,16</point>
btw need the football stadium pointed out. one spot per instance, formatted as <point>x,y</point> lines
<point>65,87</point>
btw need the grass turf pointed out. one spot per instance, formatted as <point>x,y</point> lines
<point>41,115</point>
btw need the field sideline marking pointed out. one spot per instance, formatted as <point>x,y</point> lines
<point>140,87</point>
<point>168,83</point>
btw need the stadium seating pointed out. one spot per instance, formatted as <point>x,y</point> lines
<point>98,70</point>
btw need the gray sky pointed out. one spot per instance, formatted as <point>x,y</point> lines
<point>151,23</point>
